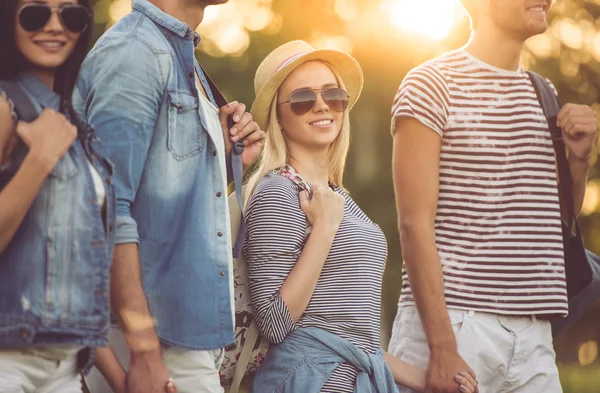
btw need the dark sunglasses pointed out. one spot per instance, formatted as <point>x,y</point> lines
<point>34,16</point>
<point>303,101</point>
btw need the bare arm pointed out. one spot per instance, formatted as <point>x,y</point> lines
<point>129,301</point>
<point>579,127</point>
<point>416,178</point>
<point>109,366</point>
<point>416,181</point>
<point>405,374</point>
<point>580,170</point>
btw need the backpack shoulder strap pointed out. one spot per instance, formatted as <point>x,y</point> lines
<point>24,110</point>
<point>23,106</point>
<point>551,107</point>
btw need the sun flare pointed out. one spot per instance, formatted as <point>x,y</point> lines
<point>433,19</point>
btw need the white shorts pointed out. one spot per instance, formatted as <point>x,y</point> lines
<point>508,354</point>
<point>42,370</point>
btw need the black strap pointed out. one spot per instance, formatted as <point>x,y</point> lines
<point>23,106</point>
<point>551,106</point>
<point>25,111</point>
<point>234,159</point>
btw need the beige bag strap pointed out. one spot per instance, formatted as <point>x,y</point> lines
<point>244,359</point>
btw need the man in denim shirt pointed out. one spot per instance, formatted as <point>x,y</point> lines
<point>151,104</point>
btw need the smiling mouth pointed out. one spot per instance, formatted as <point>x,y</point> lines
<point>52,45</point>
<point>538,8</point>
<point>321,123</point>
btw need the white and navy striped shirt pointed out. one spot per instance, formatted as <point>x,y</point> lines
<point>498,222</point>
<point>347,298</point>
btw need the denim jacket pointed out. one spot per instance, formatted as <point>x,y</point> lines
<point>307,357</point>
<point>54,274</point>
<point>137,88</point>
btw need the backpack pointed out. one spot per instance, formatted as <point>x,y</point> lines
<point>241,362</point>
<point>582,267</point>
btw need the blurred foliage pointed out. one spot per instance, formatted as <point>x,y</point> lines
<point>388,38</point>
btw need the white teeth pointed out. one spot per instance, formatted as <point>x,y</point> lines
<point>51,44</point>
<point>322,123</point>
<point>537,9</point>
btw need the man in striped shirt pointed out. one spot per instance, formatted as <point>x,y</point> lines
<point>479,213</point>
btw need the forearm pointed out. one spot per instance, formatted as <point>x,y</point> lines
<point>299,286</point>
<point>580,170</point>
<point>111,369</point>
<point>427,284</point>
<point>18,195</point>
<point>405,374</point>
<point>129,300</point>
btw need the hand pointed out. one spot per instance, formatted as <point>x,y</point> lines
<point>325,209</point>
<point>579,127</point>
<point>49,136</point>
<point>444,365</point>
<point>244,127</point>
<point>148,374</point>
<point>468,384</point>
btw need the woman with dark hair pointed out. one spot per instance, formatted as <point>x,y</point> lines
<point>56,202</point>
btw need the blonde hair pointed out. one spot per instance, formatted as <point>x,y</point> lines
<point>275,154</point>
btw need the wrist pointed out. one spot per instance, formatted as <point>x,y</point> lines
<point>327,230</point>
<point>443,346</point>
<point>145,355</point>
<point>41,160</point>
<point>583,161</point>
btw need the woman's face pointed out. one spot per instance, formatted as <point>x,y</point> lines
<point>49,47</point>
<point>320,126</point>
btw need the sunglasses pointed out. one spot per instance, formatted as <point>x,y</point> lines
<point>34,16</point>
<point>303,101</point>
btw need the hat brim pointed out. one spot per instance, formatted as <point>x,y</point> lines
<point>344,65</point>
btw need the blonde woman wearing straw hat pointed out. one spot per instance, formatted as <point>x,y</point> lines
<point>315,260</point>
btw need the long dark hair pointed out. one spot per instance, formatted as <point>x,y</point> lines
<point>12,61</point>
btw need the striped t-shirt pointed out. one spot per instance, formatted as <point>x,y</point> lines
<point>347,298</point>
<point>498,222</point>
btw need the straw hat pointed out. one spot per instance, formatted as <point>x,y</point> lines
<point>283,60</point>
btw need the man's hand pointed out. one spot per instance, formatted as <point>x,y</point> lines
<point>442,370</point>
<point>244,128</point>
<point>148,374</point>
<point>579,127</point>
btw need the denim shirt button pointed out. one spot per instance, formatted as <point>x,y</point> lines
<point>218,195</point>
<point>214,153</point>
<point>191,74</point>
<point>24,334</point>
<point>222,274</point>
<point>220,234</point>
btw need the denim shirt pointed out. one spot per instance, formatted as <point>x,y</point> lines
<point>54,274</point>
<point>307,357</point>
<point>137,88</point>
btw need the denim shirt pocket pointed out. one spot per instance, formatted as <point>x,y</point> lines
<point>185,135</point>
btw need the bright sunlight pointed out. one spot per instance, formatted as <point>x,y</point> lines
<point>433,19</point>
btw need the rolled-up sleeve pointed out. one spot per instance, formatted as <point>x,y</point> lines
<point>119,92</point>
<point>276,232</point>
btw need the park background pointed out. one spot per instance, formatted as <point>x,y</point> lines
<point>388,38</point>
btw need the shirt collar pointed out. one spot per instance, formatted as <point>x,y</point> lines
<point>45,96</point>
<point>166,21</point>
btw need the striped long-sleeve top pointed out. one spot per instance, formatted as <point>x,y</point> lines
<point>347,298</point>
